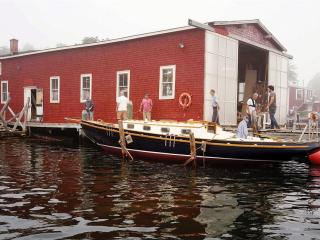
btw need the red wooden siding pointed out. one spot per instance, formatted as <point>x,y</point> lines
<point>248,31</point>
<point>143,57</point>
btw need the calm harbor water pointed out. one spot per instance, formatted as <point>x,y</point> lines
<point>50,191</point>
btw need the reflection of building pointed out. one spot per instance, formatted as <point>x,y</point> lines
<point>235,58</point>
<point>218,212</point>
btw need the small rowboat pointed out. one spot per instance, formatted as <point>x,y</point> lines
<point>172,141</point>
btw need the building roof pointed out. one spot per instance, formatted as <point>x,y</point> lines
<point>253,21</point>
<point>191,26</point>
<point>109,41</point>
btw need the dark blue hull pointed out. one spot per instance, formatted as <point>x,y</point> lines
<point>161,147</point>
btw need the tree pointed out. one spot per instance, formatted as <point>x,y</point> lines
<point>27,47</point>
<point>292,74</point>
<point>87,40</point>
<point>314,84</point>
<point>61,45</point>
<point>4,50</point>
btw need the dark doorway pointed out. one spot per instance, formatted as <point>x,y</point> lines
<point>252,76</point>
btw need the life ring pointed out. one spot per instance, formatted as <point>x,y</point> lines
<point>185,100</point>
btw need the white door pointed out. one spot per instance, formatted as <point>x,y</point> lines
<point>27,97</point>
<point>278,77</point>
<point>221,71</point>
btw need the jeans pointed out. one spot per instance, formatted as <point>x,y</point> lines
<point>215,115</point>
<point>274,123</point>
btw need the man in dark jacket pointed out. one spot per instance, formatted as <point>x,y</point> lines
<point>89,107</point>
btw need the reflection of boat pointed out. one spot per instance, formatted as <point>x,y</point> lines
<point>170,140</point>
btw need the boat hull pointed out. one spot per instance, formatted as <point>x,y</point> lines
<point>164,148</point>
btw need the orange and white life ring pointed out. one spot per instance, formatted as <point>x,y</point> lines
<point>185,100</point>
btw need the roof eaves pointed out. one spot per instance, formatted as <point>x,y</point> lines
<point>150,34</point>
<point>253,21</point>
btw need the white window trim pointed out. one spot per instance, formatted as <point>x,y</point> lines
<point>301,93</point>
<point>173,67</point>
<point>117,89</point>
<point>7,91</point>
<point>51,100</point>
<point>81,77</point>
<point>309,93</point>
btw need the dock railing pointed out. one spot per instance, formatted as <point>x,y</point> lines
<point>313,130</point>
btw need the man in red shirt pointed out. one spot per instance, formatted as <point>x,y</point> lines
<point>146,107</point>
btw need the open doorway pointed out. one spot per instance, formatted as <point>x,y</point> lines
<point>252,77</point>
<point>35,97</point>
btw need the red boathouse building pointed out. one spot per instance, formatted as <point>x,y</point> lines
<point>236,58</point>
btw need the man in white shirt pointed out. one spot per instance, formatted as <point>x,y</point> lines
<point>252,111</point>
<point>122,106</point>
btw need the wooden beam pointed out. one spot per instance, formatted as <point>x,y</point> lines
<point>122,141</point>
<point>193,151</point>
<point>200,25</point>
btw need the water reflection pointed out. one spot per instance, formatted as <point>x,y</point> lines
<point>56,192</point>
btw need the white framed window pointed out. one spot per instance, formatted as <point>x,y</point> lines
<point>167,82</point>
<point>85,87</point>
<point>55,89</point>
<point>309,93</point>
<point>299,94</point>
<point>123,83</point>
<point>4,91</point>
<point>0,68</point>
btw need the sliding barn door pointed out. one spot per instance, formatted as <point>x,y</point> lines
<point>278,77</point>
<point>221,71</point>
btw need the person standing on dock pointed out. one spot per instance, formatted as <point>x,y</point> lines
<point>272,107</point>
<point>215,107</point>
<point>89,107</point>
<point>122,106</point>
<point>252,112</point>
<point>146,107</point>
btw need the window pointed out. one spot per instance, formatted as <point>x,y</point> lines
<point>146,128</point>
<point>185,131</point>
<point>130,126</point>
<point>123,83</point>
<point>299,94</point>
<point>4,91</point>
<point>241,91</point>
<point>0,68</point>
<point>165,130</point>
<point>86,87</point>
<point>167,82</point>
<point>309,93</point>
<point>54,89</point>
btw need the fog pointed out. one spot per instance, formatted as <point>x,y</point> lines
<point>45,23</point>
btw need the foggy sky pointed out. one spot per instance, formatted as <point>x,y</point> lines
<point>45,23</point>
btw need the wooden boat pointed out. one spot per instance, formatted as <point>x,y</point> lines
<point>172,141</point>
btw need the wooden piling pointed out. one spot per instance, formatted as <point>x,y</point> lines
<point>193,151</point>
<point>122,142</point>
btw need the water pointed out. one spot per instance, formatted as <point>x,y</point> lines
<point>50,191</point>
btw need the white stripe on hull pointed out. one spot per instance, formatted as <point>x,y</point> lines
<point>186,156</point>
